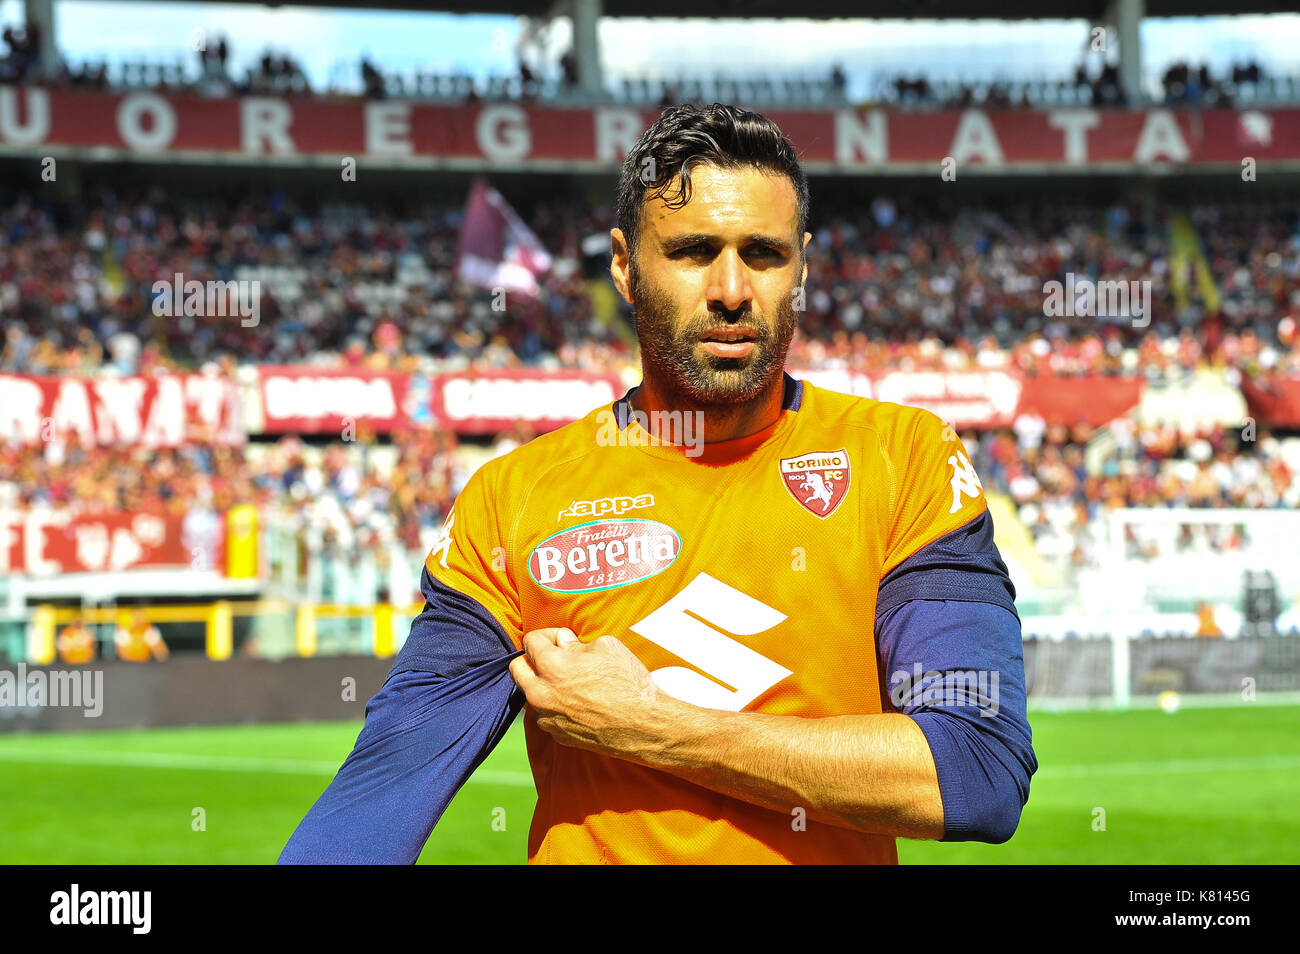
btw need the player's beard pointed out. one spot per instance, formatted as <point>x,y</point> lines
<point>671,355</point>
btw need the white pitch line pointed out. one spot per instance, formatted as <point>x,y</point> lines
<point>222,763</point>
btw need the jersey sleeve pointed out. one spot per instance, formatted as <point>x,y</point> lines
<point>425,734</point>
<point>935,485</point>
<point>472,555</point>
<point>940,545</point>
<point>448,700</point>
<point>956,667</point>
<point>949,638</point>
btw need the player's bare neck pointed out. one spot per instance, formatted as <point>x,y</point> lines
<point>718,423</point>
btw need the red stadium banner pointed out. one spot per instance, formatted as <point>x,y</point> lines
<point>992,398</point>
<point>42,543</point>
<point>169,410</point>
<point>509,135</point>
<point>491,401</point>
<point>486,402</point>
<point>300,399</point>
<point>1272,400</point>
<point>1092,399</point>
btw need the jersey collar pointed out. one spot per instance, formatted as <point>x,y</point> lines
<point>720,451</point>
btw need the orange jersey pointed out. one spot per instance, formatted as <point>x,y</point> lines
<point>134,643</point>
<point>744,578</point>
<point>76,646</point>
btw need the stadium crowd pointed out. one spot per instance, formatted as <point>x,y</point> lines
<point>1058,497</point>
<point>347,498</point>
<point>354,497</point>
<point>1097,84</point>
<point>1096,79</point>
<point>342,497</point>
<point>901,285</point>
<point>898,287</point>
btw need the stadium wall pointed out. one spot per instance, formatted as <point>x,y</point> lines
<point>1083,668</point>
<point>183,691</point>
<point>190,692</point>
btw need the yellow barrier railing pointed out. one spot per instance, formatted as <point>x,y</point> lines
<point>218,619</point>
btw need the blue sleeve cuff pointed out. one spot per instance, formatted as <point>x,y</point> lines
<point>979,780</point>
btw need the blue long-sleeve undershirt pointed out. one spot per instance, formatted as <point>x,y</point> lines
<point>424,736</point>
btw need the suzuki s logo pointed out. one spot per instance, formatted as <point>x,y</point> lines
<point>700,625</point>
<point>818,479</point>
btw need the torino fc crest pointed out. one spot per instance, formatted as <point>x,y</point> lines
<point>818,479</point>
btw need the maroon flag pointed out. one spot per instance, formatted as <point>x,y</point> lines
<point>497,250</point>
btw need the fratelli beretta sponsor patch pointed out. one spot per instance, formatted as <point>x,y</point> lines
<point>603,554</point>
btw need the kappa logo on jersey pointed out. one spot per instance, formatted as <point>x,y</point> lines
<point>443,543</point>
<point>964,480</point>
<point>606,506</point>
<point>603,554</point>
<point>818,479</point>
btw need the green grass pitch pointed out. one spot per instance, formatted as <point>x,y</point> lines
<point>1203,785</point>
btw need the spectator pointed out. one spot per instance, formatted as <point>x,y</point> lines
<point>20,63</point>
<point>838,80</point>
<point>569,69</point>
<point>76,644</point>
<point>527,80</point>
<point>372,80</point>
<point>1206,625</point>
<point>139,640</point>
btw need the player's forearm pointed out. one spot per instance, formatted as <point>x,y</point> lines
<point>872,773</point>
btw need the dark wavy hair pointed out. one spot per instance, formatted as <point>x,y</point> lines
<point>690,134</point>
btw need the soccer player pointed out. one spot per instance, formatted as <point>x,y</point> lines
<point>751,620</point>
